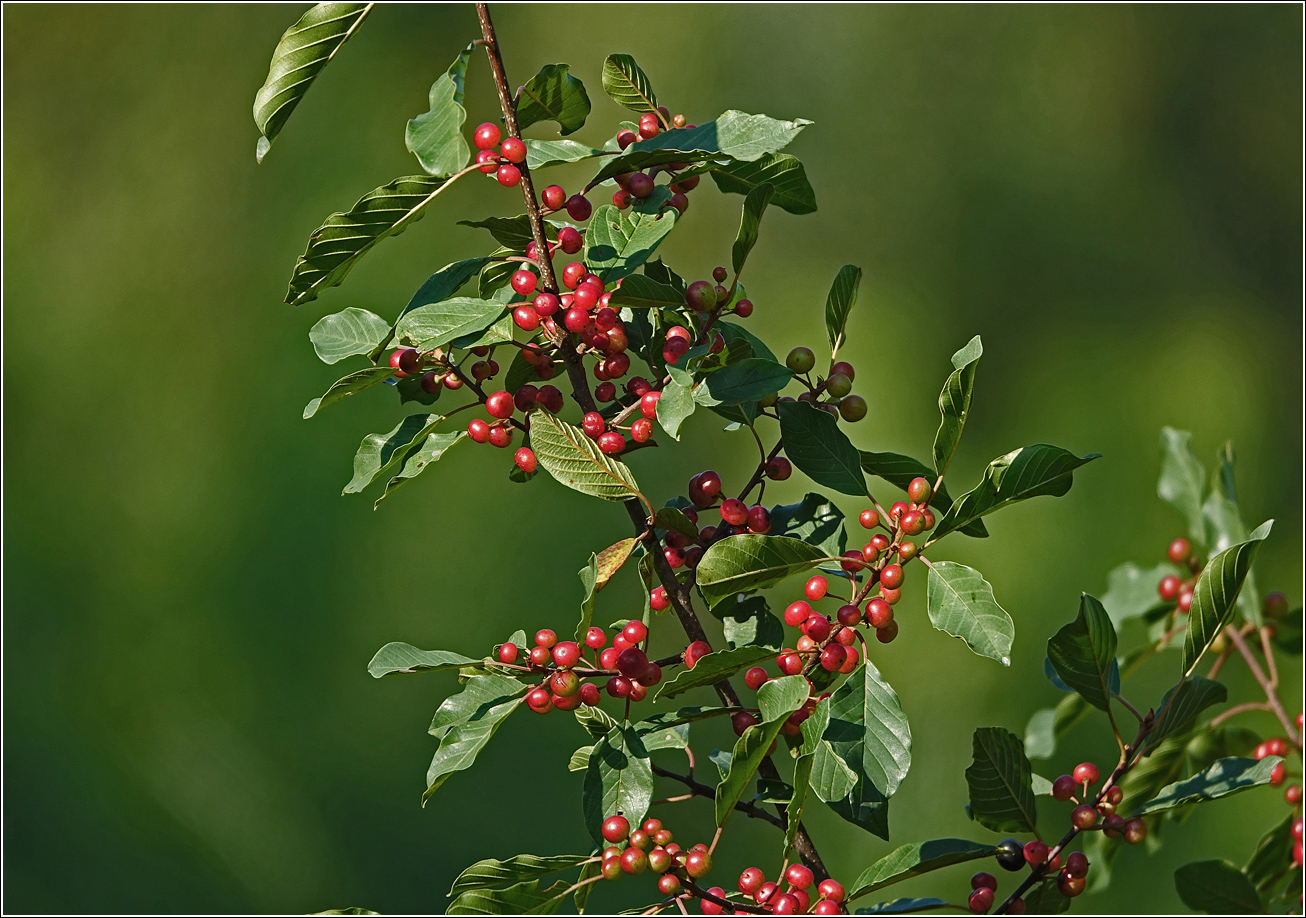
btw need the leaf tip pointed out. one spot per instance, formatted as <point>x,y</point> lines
<point>261,149</point>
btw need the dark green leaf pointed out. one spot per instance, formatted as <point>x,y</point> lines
<point>712,668</point>
<point>820,450</point>
<point>1040,733</point>
<point>617,242</point>
<point>780,170</point>
<point>1217,888</point>
<point>815,520</point>
<point>490,873</point>
<point>752,562</point>
<point>777,699</point>
<point>540,154</point>
<point>438,324</point>
<point>596,721</point>
<point>1215,593</point>
<point>347,386</point>
<point>431,450</point>
<point>742,343</point>
<point>1131,590</point>
<point>1032,471</point>
<point>379,453</point>
<point>961,603</point>
<point>640,292</point>
<point>749,621</point>
<point>595,575</point>
<point>628,85</point>
<point>1001,787</point>
<point>1222,778</point>
<point>916,859</point>
<point>337,245</point>
<point>522,899</point>
<point>1180,706</point>
<point>902,907</point>
<point>465,722</point>
<point>1225,528</point>
<point>1182,480</point>
<point>839,303</point>
<point>445,283</point>
<point>899,471</point>
<point>749,222</point>
<point>435,137</point>
<point>865,807</point>
<point>747,380</point>
<point>304,49</point>
<point>575,460</point>
<point>348,333</point>
<point>619,779</point>
<point>510,232</point>
<point>677,402</point>
<point>665,720</point>
<point>1046,899</point>
<point>553,94</point>
<point>1084,654</point>
<point>869,731</point>
<point>1273,856</point>
<point>954,403</point>
<point>397,657</point>
<point>669,518</point>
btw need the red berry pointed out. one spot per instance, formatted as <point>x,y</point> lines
<point>741,721</point>
<point>779,469</point>
<point>1064,787</point>
<point>817,627</point>
<point>1077,865</point>
<point>827,907</point>
<point>759,520</point>
<point>525,318</point>
<point>501,437</point>
<point>1083,817</point>
<point>786,904</point>
<point>405,361</point>
<point>869,519</point>
<point>554,197</point>
<point>579,208</point>
<point>833,657</point>
<point>525,460</point>
<point>698,864</point>
<point>755,678</point>
<point>635,631</point>
<point>566,655</point>
<point>642,430</point>
<point>1179,550</point>
<point>791,664</point>
<point>589,694</point>
<point>508,652</point>
<point>1185,601</point>
<point>626,138</point>
<point>751,880</point>
<point>1086,773</point>
<point>509,176</point>
<point>765,893</point>
<point>831,890</point>
<point>1278,774</point>
<point>981,900</point>
<point>849,615</point>
<point>612,442</point>
<point>659,599</point>
<point>879,613</point>
<point>1292,795</point>
<point>743,308</point>
<point>799,876</point>
<point>816,587</point>
<point>853,561</point>
<point>886,634</point>
<point>550,399</point>
<point>632,662</point>
<point>619,687</point>
<point>540,700</point>
<point>592,423</point>
<point>1035,852</point>
<point>734,512</point>
<point>487,161</point>
<point>500,404</point>
<point>983,880</point>
<point>695,652</point>
<point>1168,588</point>
<point>797,613</point>
<point>918,489</point>
<point>486,136</point>
<point>478,430</point>
<point>891,576</point>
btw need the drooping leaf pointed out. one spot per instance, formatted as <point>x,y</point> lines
<point>1180,706</point>
<point>814,519</point>
<point>1084,654</point>
<point>780,170</point>
<point>576,461</point>
<point>752,562</point>
<point>744,381</point>
<point>540,154</point>
<point>677,401</point>
<point>553,94</point>
<point>347,386</point>
<point>432,449</point>
<point>1225,528</point>
<point>839,304</point>
<point>438,324</point>
<point>899,471</point>
<point>617,242</point>
<point>869,730</point>
<point>902,907</point>
<point>749,222</point>
<point>1215,593</point>
<point>338,244</point>
<point>595,575</point>
<point>821,451</point>
<point>1131,590</point>
<point>465,722</point>
<point>865,807</point>
<point>619,779</point>
<point>916,859</point>
<point>1182,480</point>
<point>749,622</point>
<point>1222,778</point>
<point>489,873</point>
<point>397,657</point>
<point>580,759</point>
<point>961,603</point>
<point>638,291</point>
<point>1217,888</point>
<point>999,777</point>
<point>1032,471</point>
<point>304,49</point>
<point>522,899</point>
<point>667,720</point>
<point>954,403</point>
<point>435,137</point>
<point>777,699</point>
<point>712,668</point>
<point>628,85</point>
<point>380,453</point>
<point>348,333</point>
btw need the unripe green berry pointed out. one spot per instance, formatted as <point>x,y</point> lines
<point>853,408</point>
<point>801,360</point>
<point>838,385</point>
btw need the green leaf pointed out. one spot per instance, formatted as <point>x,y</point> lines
<point>445,283</point>
<point>1001,786</point>
<point>740,341</point>
<point>490,872</point>
<point>628,85</point>
<point>869,731</point>
<point>780,170</point>
<point>437,324</point>
<point>677,402</point>
<point>540,154</point>
<point>1273,856</point>
<point>749,622</point>
<point>575,460</point>
<point>1131,590</point>
<point>1215,593</point>
<point>1032,471</point>
<point>839,303</point>
<point>916,859</point>
<point>1223,777</point>
<point>865,807</point>
<point>580,759</point>
<point>1180,706</point>
<point>1040,733</point>
<point>619,779</point>
<point>510,232</point>
<point>1046,899</point>
<point>752,562</point>
<point>1217,888</point>
<point>338,244</point>
<point>1084,654</point>
<point>638,291</point>
<point>304,49</point>
<point>348,333</point>
<point>961,603</point>
<point>522,899</point>
<point>712,668</point>
<point>820,450</point>
<point>347,386</point>
<point>598,722</point>
<point>379,453</point>
<point>777,699</point>
<point>465,722</point>
<point>815,520</point>
<point>595,575</point>
<point>1182,480</point>
<point>435,137</point>
<point>899,470</point>
<point>553,94</point>
<point>617,242</point>
<point>954,403</point>
<point>670,517</point>
<point>665,720</point>
<point>832,779</point>
<point>746,380</point>
<point>749,222</point>
<point>902,907</point>
<point>431,450</point>
<point>397,657</point>
<point>1225,528</point>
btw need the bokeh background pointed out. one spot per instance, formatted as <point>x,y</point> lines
<point>1111,196</point>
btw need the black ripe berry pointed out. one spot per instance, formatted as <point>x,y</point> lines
<point>1011,855</point>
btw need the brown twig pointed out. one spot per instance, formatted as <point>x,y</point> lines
<point>1271,696</point>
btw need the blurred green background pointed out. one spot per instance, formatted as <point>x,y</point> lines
<point>1111,196</point>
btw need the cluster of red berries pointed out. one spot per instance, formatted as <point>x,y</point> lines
<point>1279,773</point>
<point>502,160</point>
<point>836,388</point>
<point>1173,589</point>
<point>633,186</point>
<point>651,847</point>
<point>1296,841</point>
<point>1086,815</point>
<point>796,899</point>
